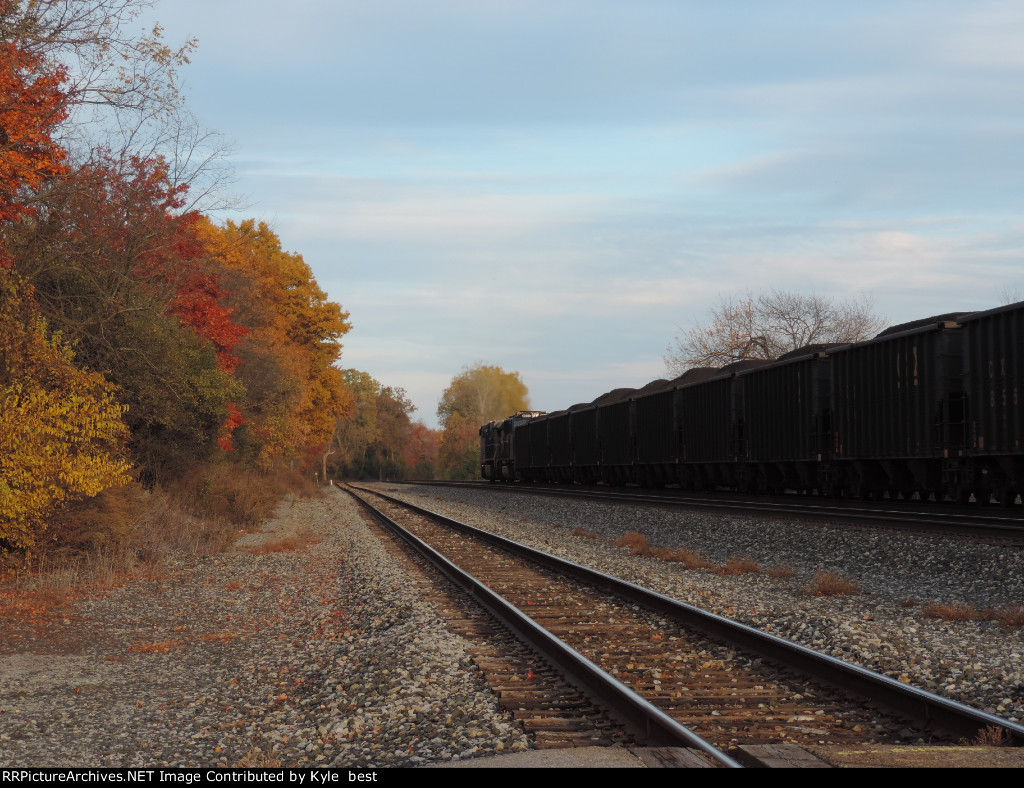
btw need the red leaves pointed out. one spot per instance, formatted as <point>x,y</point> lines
<point>198,303</point>
<point>234,419</point>
<point>32,103</point>
<point>123,215</point>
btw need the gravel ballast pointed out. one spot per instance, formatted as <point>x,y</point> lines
<point>322,656</point>
<point>325,656</point>
<point>882,628</point>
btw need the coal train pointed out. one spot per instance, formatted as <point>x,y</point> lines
<point>929,409</point>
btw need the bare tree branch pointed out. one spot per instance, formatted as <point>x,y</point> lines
<point>769,325</point>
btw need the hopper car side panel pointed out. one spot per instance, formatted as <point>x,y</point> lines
<point>786,420</point>
<point>891,406</point>
<point>614,425</point>
<point>657,438</point>
<point>994,385</point>
<point>585,447</point>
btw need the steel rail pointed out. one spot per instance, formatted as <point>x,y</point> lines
<point>962,523</point>
<point>639,714</point>
<point>935,712</point>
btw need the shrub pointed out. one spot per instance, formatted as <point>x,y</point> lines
<point>108,519</point>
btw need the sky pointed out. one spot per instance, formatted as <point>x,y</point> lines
<point>561,187</point>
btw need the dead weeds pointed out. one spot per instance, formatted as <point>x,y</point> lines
<point>636,543</point>
<point>1008,617</point>
<point>827,583</point>
<point>739,566</point>
<point>297,541</point>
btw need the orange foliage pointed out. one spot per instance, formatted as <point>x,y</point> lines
<point>287,357</point>
<point>31,105</point>
<point>419,452</point>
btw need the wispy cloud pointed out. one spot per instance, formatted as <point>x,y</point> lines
<point>560,187</point>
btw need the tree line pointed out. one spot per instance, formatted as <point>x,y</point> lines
<point>141,339</point>
<point>143,342</point>
<point>379,440</point>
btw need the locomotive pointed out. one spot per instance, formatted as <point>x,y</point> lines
<point>929,409</point>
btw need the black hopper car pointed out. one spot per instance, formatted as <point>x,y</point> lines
<point>930,408</point>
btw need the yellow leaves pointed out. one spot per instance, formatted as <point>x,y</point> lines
<point>61,432</point>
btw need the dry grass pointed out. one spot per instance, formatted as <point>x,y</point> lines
<point>127,530</point>
<point>297,541</point>
<point>780,572</point>
<point>691,559</point>
<point>991,736</point>
<point>61,577</point>
<point>125,533</point>
<point>32,602</point>
<point>636,543</point>
<point>739,566</point>
<point>826,583</point>
<point>953,611</point>
<point>241,499</point>
<point>1008,617</point>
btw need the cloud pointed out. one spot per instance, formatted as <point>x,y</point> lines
<point>556,187</point>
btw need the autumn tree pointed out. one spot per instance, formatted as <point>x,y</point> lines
<point>61,432</point>
<point>393,409</point>
<point>107,62</point>
<point>419,451</point>
<point>479,394</point>
<point>119,270</point>
<point>356,431</point>
<point>769,325</point>
<point>372,439</point>
<point>294,393</point>
<point>33,102</point>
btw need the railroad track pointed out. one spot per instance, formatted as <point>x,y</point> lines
<point>553,713</point>
<point>1004,525</point>
<point>725,684</point>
